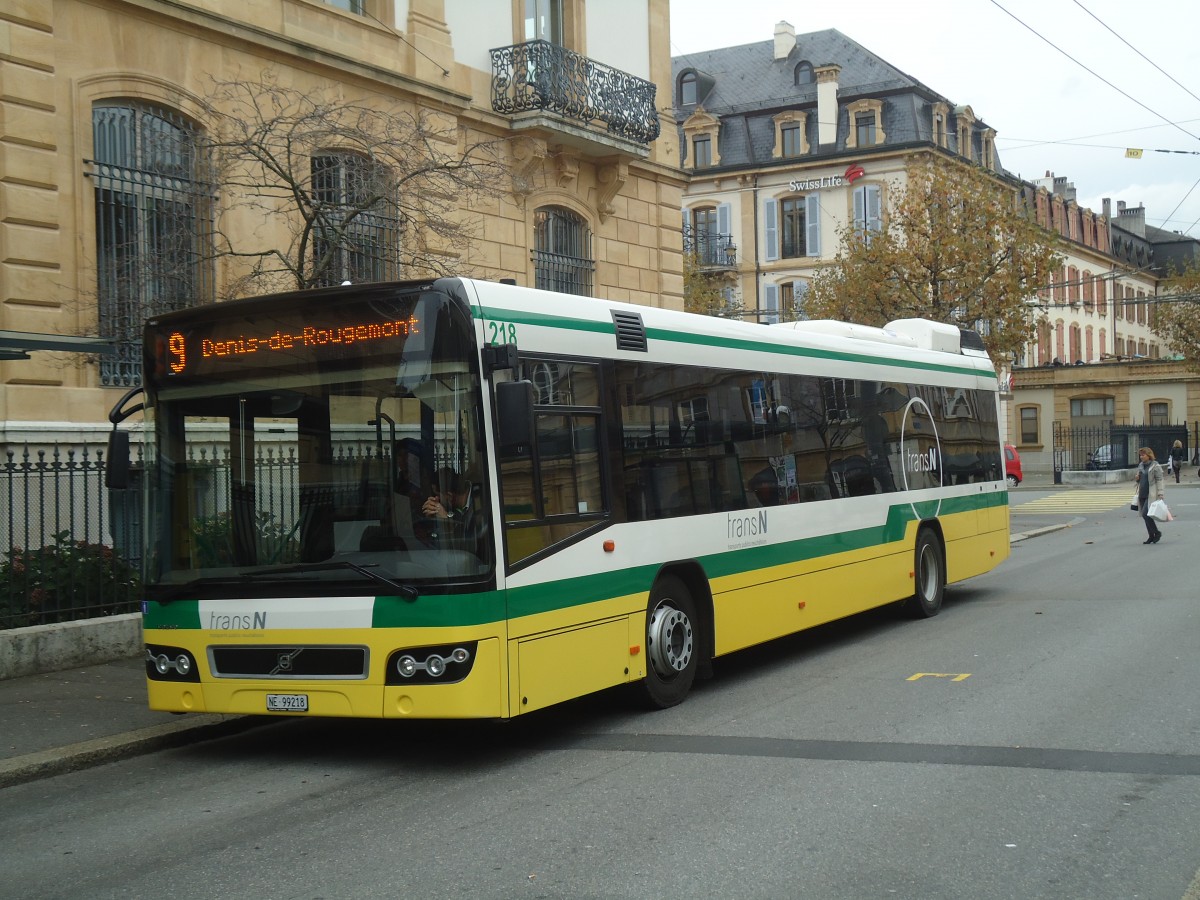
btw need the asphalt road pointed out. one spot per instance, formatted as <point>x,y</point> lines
<point>1038,739</point>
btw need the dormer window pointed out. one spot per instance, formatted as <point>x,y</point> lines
<point>864,127</point>
<point>941,126</point>
<point>804,73</point>
<point>866,124</point>
<point>687,89</point>
<point>790,139</point>
<point>701,131</point>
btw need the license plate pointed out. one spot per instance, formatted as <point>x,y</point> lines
<point>287,702</point>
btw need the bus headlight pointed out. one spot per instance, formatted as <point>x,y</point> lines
<point>170,664</point>
<point>431,665</point>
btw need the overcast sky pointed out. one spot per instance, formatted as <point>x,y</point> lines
<point>1049,112</point>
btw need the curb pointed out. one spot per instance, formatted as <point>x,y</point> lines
<point>1024,535</point>
<point>85,755</point>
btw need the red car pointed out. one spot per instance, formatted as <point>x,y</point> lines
<point>1012,466</point>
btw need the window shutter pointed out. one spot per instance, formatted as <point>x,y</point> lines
<point>770,310</point>
<point>860,208</point>
<point>723,219</point>
<point>812,218</point>
<point>771,228</point>
<point>874,207</point>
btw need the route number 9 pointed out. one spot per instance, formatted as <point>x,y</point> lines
<point>178,348</point>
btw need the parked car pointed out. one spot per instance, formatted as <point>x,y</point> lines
<point>1012,466</point>
<point>1100,458</point>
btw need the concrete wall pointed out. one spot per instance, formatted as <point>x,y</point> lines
<point>51,648</point>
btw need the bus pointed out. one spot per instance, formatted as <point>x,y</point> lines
<point>457,498</point>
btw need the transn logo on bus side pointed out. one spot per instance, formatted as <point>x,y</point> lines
<point>745,526</point>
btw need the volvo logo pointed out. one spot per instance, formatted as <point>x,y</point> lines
<point>283,662</point>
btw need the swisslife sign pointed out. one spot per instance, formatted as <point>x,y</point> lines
<point>853,173</point>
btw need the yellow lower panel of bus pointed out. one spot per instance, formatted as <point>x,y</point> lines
<point>974,555</point>
<point>753,614</point>
<point>555,667</point>
<point>321,698</point>
<point>480,695</point>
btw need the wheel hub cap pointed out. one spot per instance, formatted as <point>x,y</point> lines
<point>670,641</point>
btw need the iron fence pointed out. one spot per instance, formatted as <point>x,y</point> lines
<point>70,548</point>
<point>60,560</point>
<point>1115,445</point>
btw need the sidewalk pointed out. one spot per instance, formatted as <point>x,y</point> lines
<point>63,721</point>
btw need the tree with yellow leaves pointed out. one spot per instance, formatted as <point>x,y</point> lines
<point>956,246</point>
<point>703,293</point>
<point>1177,315</point>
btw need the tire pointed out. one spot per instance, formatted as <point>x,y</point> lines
<point>929,577</point>
<point>672,644</point>
<point>1012,480</point>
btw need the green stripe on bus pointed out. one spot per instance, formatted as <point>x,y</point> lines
<point>456,610</point>
<point>179,614</point>
<point>438,610</point>
<point>525,317</point>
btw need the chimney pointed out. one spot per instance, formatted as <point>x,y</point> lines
<point>1132,219</point>
<point>785,40</point>
<point>1106,205</point>
<point>827,105</point>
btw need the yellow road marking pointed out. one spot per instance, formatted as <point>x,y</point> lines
<point>953,677</point>
<point>1093,500</point>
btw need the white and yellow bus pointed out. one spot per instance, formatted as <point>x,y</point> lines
<point>456,498</point>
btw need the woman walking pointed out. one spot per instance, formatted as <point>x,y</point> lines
<point>1176,460</point>
<point>1150,488</point>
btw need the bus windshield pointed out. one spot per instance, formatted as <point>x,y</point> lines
<point>315,448</point>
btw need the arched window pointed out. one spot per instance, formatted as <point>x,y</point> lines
<point>355,227</point>
<point>804,72</point>
<point>153,225</point>
<point>562,251</point>
<point>687,89</point>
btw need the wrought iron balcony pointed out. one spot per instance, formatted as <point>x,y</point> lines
<point>713,251</point>
<point>542,75</point>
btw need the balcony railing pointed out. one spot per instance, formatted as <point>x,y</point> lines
<point>712,250</point>
<point>542,75</point>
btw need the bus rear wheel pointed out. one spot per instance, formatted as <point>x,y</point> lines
<point>929,576</point>
<point>672,644</point>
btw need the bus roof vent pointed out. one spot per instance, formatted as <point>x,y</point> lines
<point>971,343</point>
<point>631,333</point>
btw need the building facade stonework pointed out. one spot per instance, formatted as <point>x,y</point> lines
<point>603,166</point>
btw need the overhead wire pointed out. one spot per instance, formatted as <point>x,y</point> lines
<point>1123,93</point>
<point>1091,71</point>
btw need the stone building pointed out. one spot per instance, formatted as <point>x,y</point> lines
<point>592,201</point>
<point>789,140</point>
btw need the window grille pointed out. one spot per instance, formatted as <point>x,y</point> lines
<point>356,233</point>
<point>562,254</point>
<point>153,225</point>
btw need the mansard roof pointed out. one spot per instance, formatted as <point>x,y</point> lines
<point>745,86</point>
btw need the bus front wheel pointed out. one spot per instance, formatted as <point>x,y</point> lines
<point>672,644</point>
<point>929,576</point>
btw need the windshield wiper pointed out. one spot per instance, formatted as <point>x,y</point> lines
<point>407,591</point>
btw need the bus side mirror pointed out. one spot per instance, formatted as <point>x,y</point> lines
<point>116,473</point>
<point>514,418</point>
